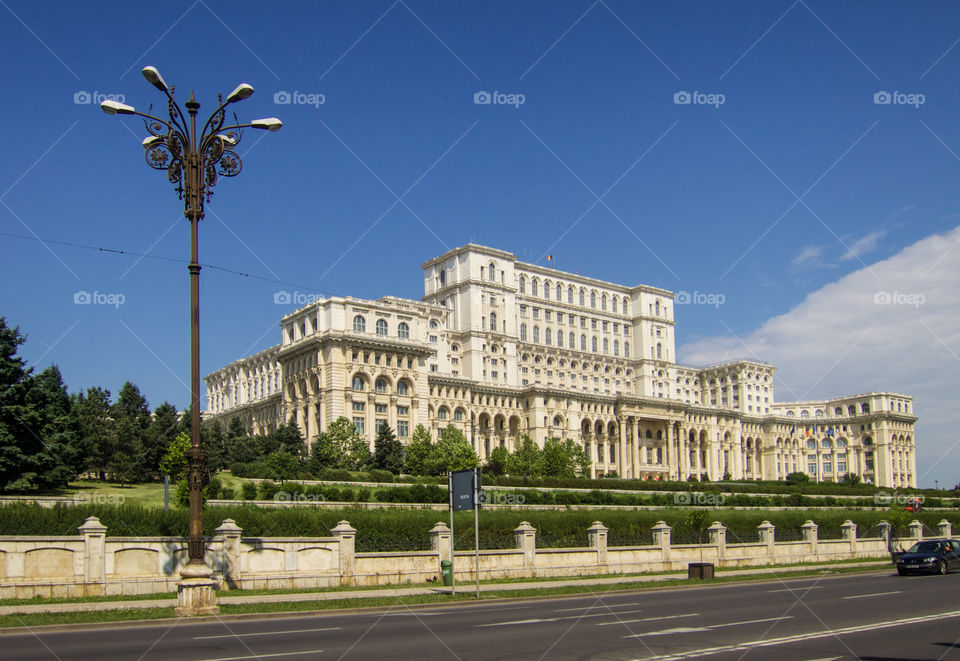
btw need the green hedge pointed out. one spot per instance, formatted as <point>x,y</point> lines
<point>406,530</point>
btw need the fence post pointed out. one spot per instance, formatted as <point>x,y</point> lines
<point>94,552</point>
<point>809,530</point>
<point>767,533</point>
<point>849,529</point>
<point>916,529</point>
<point>597,533</point>
<point>347,536</point>
<point>230,568</point>
<point>440,541</point>
<point>946,528</point>
<point>526,537</point>
<point>717,533</point>
<point>661,538</point>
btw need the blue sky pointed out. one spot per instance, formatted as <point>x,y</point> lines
<point>692,197</point>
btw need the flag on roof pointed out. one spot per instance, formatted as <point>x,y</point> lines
<point>549,258</point>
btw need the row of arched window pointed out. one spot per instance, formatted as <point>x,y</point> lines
<point>382,328</point>
<point>381,385</point>
<point>572,341</point>
<point>574,295</point>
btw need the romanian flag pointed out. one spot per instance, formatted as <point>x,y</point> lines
<point>549,258</point>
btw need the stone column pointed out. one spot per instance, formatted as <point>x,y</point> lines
<point>766,533</point>
<point>230,556</point>
<point>441,542</point>
<point>597,533</point>
<point>684,459</point>
<point>668,450</point>
<point>347,536</point>
<point>94,555</point>
<point>622,458</point>
<point>946,528</point>
<point>849,529</point>
<point>661,538</point>
<point>916,529</point>
<point>885,530</point>
<point>634,447</point>
<point>526,538</point>
<point>717,533</point>
<point>809,530</point>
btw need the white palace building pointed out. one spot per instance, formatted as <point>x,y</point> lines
<point>501,348</point>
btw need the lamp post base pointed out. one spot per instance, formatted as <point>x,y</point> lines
<point>195,592</point>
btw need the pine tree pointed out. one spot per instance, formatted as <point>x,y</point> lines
<point>92,411</point>
<point>417,452</point>
<point>387,450</point>
<point>131,415</point>
<point>158,436</point>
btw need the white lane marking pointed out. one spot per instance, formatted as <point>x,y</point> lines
<point>773,642</point>
<point>264,656</point>
<point>798,589</point>
<point>875,594</point>
<point>264,633</point>
<point>590,608</point>
<point>537,620</point>
<point>666,632</point>
<point>647,619</point>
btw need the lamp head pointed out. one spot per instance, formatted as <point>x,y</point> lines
<point>269,124</point>
<point>116,108</point>
<point>242,91</point>
<point>151,141</point>
<point>154,78</point>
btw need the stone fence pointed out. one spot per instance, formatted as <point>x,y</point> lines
<point>94,564</point>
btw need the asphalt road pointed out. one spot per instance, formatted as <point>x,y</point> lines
<point>874,616</point>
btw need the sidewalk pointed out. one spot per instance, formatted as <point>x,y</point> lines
<point>465,587</point>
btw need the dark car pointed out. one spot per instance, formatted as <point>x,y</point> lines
<point>932,556</point>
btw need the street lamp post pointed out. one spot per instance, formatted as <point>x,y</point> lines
<point>193,161</point>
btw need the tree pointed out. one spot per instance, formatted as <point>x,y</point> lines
<point>158,436</point>
<point>92,411</point>
<point>282,465</point>
<point>850,480</point>
<point>238,445</point>
<point>174,462</point>
<point>340,447</point>
<point>287,438</point>
<point>416,455</point>
<point>387,450</point>
<point>451,452</point>
<point>497,461</point>
<point>798,478</point>
<point>525,460</point>
<point>131,415</point>
<point>63,450</point>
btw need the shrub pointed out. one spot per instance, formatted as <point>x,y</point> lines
<point>249,491</point>
<point>377,475</point>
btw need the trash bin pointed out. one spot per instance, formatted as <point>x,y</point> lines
<point>700,570</point>
<point>446,570</point>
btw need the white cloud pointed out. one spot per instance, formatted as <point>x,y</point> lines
<point>844,339</point>
<point>808,254</point>
<point>863,245</point>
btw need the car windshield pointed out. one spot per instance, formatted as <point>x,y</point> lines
<point>925,547</point>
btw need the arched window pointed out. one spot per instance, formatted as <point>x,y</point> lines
<point>359,324</point>
<point>493,322</point>
<point>403,330</point>
<point>560,340</point>
<point>381,385</point>
<point>523,332</point>
<point>593,344</point>
<point>603,302</point>
<point>458,415</point>
<point>546,289</point>
<point>442,413</point>
<point>593,299</point>
<point>493,272</point>
<point>625,306</point>
<point>523,285</point>
<point>804,413</point>
<point>443,278</point>
<point>533,287</point>
<point>402,388</point>
<point>656,308</point>
<point>572,341</point>
<point>559,292</point>
<point>547,336</point>
<point>434,324</point>
<point>659,350</point>
<point>536,334</point>
<point>606,345</point>
<point>583,343</point>
<point>626,349</point>
<point>582,295</point>
<point>616,348</point>
<point>381,327</point>
<point>570,295</point>
<point>358,383</point>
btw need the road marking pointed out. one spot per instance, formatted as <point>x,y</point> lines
<point>538,620</point>
<point>587,608</point>
<point>773,642</point>
<point>264,633</point>
<point>875,594</point>
<point>647,619</point>
<point>666,632</point>
<point>798,589</point>
<point>264,656</point>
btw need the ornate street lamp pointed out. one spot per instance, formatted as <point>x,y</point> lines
<point>193,161</point>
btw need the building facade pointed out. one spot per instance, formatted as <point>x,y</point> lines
<point>501,348</point>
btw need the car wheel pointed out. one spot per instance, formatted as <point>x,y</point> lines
<point>902,572</point>
<point>942,567</point>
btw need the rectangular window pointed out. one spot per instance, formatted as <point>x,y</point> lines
<point>536,313</point>
<point>433,338</point>
<point>523,310</point>
<point>359,406</point>
<point>403,428</point>
<point>380,408</point>
<point>380,421</point>
<point>546,315</point>
<point>403,410</point>
<point>358,422</point>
